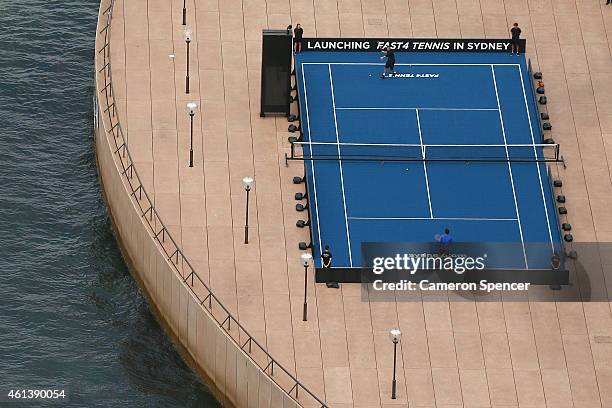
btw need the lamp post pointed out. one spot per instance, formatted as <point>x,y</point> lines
<point>184,13</point>
<point>395,335</point>
<point>187,41</point>
<point>191,106</point>
<point>306,259</point>
<point>247,182</point>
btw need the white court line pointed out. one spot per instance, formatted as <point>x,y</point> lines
<point>432,218</point>
<point>427,109</point>
<point>409,65</point>
<point>314,178</point>
<point>428,145</point>
<point>536,156</point>
<point>424,164</point>
<point>501,119</point>
<point>348,236</point>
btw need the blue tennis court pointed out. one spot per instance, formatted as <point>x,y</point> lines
<point>452,142</point>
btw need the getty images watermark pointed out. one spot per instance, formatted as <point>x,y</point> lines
<point>427,262</point>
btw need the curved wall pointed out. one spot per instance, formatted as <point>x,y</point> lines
<point>239,368</point>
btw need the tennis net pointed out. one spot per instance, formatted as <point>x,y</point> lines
<point>425,153</point>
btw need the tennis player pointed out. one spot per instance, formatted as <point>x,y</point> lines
<point>390,64</point>
<point>445,242</point>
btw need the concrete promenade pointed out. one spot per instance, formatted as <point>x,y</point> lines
<point>455,351</point>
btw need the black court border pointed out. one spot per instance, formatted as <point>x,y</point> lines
<point>331,44</point>
<point>365,275</point>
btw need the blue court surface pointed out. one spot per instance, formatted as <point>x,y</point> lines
<point>401,159</point>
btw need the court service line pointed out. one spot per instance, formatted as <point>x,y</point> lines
<point>348,235</point>
<point>314,178</point>
<point>501,119</point>
<point>536,156</point>
<point>424,164</point>
<point>412,108</point>
<point>430,219</point>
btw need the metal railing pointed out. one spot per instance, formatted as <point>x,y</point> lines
<point>207,299</point>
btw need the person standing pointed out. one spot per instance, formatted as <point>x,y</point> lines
<point>298,34</point>
<point>515,42</point>
<point>445,242</point>
<point>326,261</point>
<point>390,64</point>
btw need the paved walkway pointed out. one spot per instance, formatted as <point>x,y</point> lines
<point>455,351</point>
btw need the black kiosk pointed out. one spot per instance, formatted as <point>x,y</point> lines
<point>276,72</point>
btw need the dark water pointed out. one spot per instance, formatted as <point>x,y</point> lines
<point>71,316</point>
